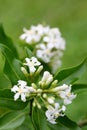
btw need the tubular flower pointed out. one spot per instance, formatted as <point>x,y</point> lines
<point>31,63</point>
<point>66,95</point>
<point>46,79</point>
<point>54,112</point>
<point>22,90</point>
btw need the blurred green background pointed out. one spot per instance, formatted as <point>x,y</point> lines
<point>71,18</point>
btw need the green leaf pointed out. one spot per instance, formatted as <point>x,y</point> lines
<point>12,120</point>
<point>7,100</point>
<point>5,40</point>
<point>76,87</point>
<point>64,123</point>
<point>70,75</point>
<point>38,119</point>
<point>12,66</point>
<point>28,52</point>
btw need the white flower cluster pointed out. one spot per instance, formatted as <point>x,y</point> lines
<point>49,45</point>
<point>46,89</point>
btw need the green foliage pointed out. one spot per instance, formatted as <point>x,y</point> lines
<point>70,75</point>
<point>5,40</point>
<point>39,119</point>
<point>11,120</point>
<point>64,123</point>
<point>12,70</point>
<point>12,66</point>
<point>7,100</point>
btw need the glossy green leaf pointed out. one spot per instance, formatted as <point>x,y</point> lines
<point>11,120</point>
<point>12,66</point>
<point>64,123</point>
<point>5,40</point>
<point>39,119</point>
<point>76,87</point>
<point>7,100</point>
<point>70,75</point>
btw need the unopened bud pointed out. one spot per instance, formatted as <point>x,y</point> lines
<point>34,85</point>
<point>38,105</point>
<point>34,104</point>
<point>50,100</point>
<point>54,83</point>
<point>24,71</point>
<point>44,95</point>
<point>49,80</point>
<point>39,70</point>
<point>60,88</point>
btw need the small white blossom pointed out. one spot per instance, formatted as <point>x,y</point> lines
<point>44,52</point>
<point>31,63</point>
<point>22,90</point>
<point>30,36</point>
<point>54,112</point>
<point>46,79</point>
<point>67,95</point>
<point>40,29</point>
<point>34,34</point>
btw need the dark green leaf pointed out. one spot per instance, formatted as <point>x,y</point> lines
<point>5,40</point>
<point>12,120</point>
<point>39,119</point>
<point>70,75</point>
<point>76,87</point>
<point>57,127</point>
<point>65,121</point>
<point>12,66</point>
<point>7,100</point>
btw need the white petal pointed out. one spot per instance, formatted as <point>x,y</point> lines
<point>67,101</point>
<point>16,96</point>
<point>32,69</point>
<point>23,98</point>
<point>22,83</point>
<point>14,89</point>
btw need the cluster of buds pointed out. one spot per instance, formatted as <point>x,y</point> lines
<point>44,91</point>
<point>48,44</point>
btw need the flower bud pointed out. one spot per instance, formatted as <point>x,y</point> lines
<point>50,100</point>
<point>24,71</point>
<point>39,70</point>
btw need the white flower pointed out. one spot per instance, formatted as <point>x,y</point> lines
<point>22,90</point>
<point>54,39</point>
<point>67,95</point>
<point>44,52</point>
<point>34,34</point>
<point>46,79</point>
<point>31,63</point>
<point>30,36</point>
<point>54,112</point>
<point>40,29</point>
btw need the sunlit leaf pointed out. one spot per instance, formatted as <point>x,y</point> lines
<point>5,40</point>
<point>12,66</point>
<point>11,120</point>
<point>70,75</point>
